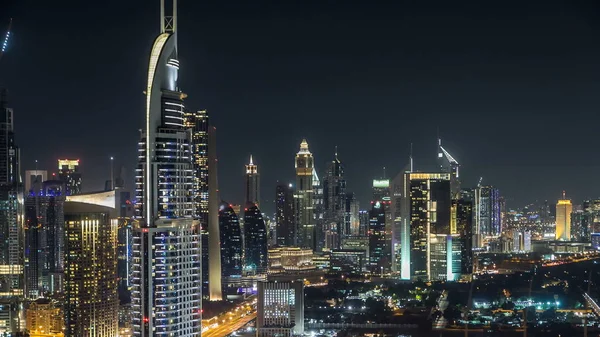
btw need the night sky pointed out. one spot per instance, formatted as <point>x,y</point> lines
<point>513,87</point>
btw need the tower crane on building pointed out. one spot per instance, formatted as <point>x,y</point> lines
<point>6,38</point>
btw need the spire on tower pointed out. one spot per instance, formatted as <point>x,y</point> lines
<point>251,163</point>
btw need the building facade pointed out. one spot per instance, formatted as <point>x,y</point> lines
<point>564,208</point>
<point>255,240</point>
<point>280,309</point>
<point>231,242</point>
<point>303,197</point>
<point>166,265</point>
<point>285,217</point>
<point>68,172</point>
<point>252,186</point>
<point>91,299</point>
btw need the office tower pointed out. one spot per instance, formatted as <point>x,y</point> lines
<point>68,172</point>
<point>280,309</point>
<point>198,123</point>
<point>378,258</point>
<point>285,215</point>
<point>91,299</point>
<point>487,211</point>
<point>231,242</point>
<point>11,194</point>
<point>167,237</point>
<point>564,208</point>
<point>429,214</point>
<point>578,231</point>
<point>252,187</point>
<point>304,194</point>
<point>318,213</point>
<point>381,194</point>
<point>255,238</point>
<point>463,213</point>
<point>399,216</point>
<point>591,218</point>
<point>44,318</point>
<point>44,239</point>
<point>34,178</point>
<point>449,165</point>
<point>125,213</point>
<point>363,221</point>
<point>351,217</point>
<point>206,198</point>
<point>334,199</point>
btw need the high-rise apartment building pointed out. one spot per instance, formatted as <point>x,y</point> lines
<point>252,187</point>
<point>91,299</point>
<point>255,240</point>
<point>280,309</point>
<point>166,268</point>
<point>11,207</point>
<point>285,217</point>
<point>68,172</point>
<point>303,196</point>
<point>564,208</point>
<point>231,242</point>
<point>44,318</point>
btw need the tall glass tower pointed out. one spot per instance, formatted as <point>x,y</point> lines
<point>166,276</point>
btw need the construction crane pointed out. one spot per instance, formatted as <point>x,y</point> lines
<point>5,42</point>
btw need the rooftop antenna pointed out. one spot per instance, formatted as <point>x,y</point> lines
<point>384,172</point>
<point>564,195</point>
<point>411,157</point>
<point>336,156</point>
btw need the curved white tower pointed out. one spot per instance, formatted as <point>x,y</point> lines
<point>166,271</point>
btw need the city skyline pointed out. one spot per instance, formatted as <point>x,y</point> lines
<point>513,117</point>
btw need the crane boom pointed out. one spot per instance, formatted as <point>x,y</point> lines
<point>5,42</point>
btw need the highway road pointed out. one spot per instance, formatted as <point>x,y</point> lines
<point>224,329</point>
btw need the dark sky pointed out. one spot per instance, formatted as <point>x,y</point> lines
<point>513,86</point>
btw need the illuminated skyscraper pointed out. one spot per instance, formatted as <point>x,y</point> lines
<point>304,194</point>
<point>44,239</point>
<point>379,259</point>
<point>334,199</point>
<point>285,217</point>
<point>11,207</point>
<point>68,172</point>
<point>429,214</point>
<point>488,216</point>
<point>231,242</point>
<point>462,224</point>
<point>166,275</point>
<point>351,218</point>
<point>564,208</point>
<point>252,187</point>
<point>255,237</point>
<point>91,299</point>
<point>206,198</point>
